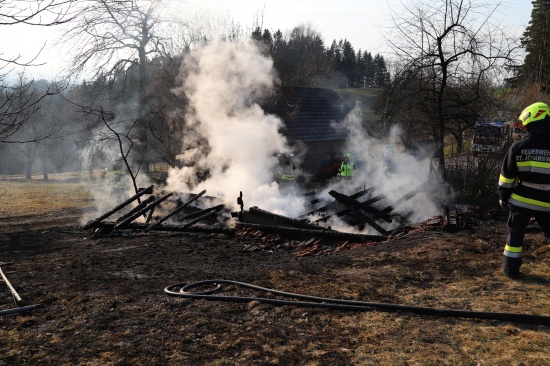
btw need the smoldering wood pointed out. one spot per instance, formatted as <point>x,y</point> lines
<point>175,211</point>
<point>368,201</point>
<point>326,233</point>
<point>172,228</point>
<point>143,210</point>
<point>136,209</point>
<point>201,212</point>
<point>93,223</point>
<point>350,202</point>
<point>355,209</point>
<point>150,215</point>
<point>256,215</point>
<point>327,206</point>
<point>207,213</point>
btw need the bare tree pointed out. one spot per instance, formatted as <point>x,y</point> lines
<point>18,103</point>
<point>451,52</point>
<point>113,37</point>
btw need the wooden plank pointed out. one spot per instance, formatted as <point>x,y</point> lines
<point>15,294</point>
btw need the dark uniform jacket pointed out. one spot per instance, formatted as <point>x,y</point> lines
<point>525,175</point>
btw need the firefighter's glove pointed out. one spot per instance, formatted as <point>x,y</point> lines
<point>503,204</point>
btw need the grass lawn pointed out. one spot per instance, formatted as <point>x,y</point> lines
<point>19,196</point>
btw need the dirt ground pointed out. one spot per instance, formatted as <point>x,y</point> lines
<point>103,300</point>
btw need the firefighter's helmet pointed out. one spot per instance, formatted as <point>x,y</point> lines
<point>347,155</point>
<point>535,112</point>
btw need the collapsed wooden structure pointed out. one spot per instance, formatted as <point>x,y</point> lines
<point>365,217</point>
<point>146,209</point>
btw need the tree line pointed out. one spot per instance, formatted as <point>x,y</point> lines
<point>132,52</point>
<point>302,59</point>
<point>452,66</point>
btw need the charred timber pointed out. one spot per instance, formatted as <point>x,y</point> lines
<point>360,238</point>
<point>353,207</point>
<point>140,193</point>
<point>172,228</point>
<point>205,214</point>
<point>142,211</point>
<point>137,208</point>
<point>175,211</point>
<point>325,207</point>
<point>353,203</point>
<point>256,215</point>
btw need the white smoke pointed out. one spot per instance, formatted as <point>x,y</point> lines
<point>223,83</point>
<point>385,165</point>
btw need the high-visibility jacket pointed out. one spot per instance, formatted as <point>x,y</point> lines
<point>346,169</point>
<point>288,171</point>
<point>525,174</point>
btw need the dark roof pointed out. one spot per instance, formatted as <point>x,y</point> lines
<point>309,114</point>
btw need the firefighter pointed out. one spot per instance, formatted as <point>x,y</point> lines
<point>346,168</point>
<point>524,184</point>
<point>286,166</point>
<point>389,166</point>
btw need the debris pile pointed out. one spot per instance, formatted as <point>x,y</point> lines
<point>146,208</point>
<point>307,234</point>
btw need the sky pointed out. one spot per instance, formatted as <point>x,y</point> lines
<point>361,22</point>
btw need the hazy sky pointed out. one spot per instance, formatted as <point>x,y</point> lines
<point>359,21</point>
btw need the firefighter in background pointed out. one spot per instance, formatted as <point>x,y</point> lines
<point>346,168</point>
<point>119,178</point>
<point>389,166</point>
<point>286,167</point>
<point>524,184</point>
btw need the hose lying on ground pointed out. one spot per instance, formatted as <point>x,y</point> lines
<point>329,303</point>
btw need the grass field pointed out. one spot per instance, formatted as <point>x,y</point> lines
<point>19,196</point>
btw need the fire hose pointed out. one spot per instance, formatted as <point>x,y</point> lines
<point>338,304</point>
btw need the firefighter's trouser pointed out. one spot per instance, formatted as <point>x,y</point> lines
<point>518,219</point>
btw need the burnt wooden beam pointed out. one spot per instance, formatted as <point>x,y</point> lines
<point>325,207</point>
<point>350,202</point>
<point>345,200</point>
<point>201,212</point>
<point>172,228</point>
<point>327,233</point>
<point>256,215</point>
<point>136,209</point>
<point>142,211</point>
<point>93,223</point>
<point>176,210</point>
<point>205,214</point>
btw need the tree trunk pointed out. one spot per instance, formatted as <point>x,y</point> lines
<point>31,155</point>
<point>44,162</point>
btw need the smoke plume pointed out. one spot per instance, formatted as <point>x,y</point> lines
<point>224,83</point>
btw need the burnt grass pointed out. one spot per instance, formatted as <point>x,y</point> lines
<point>103,301</point>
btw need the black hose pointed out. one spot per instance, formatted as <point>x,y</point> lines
<point>352,305</point>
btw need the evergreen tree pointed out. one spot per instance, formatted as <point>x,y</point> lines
<point>348,64</point>
<point>380,72</point>
<point>536,40</point>
<point>369,69</point>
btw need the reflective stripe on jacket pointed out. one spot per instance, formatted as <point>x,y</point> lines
<point>346,169</point>
<point>527,160</point>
